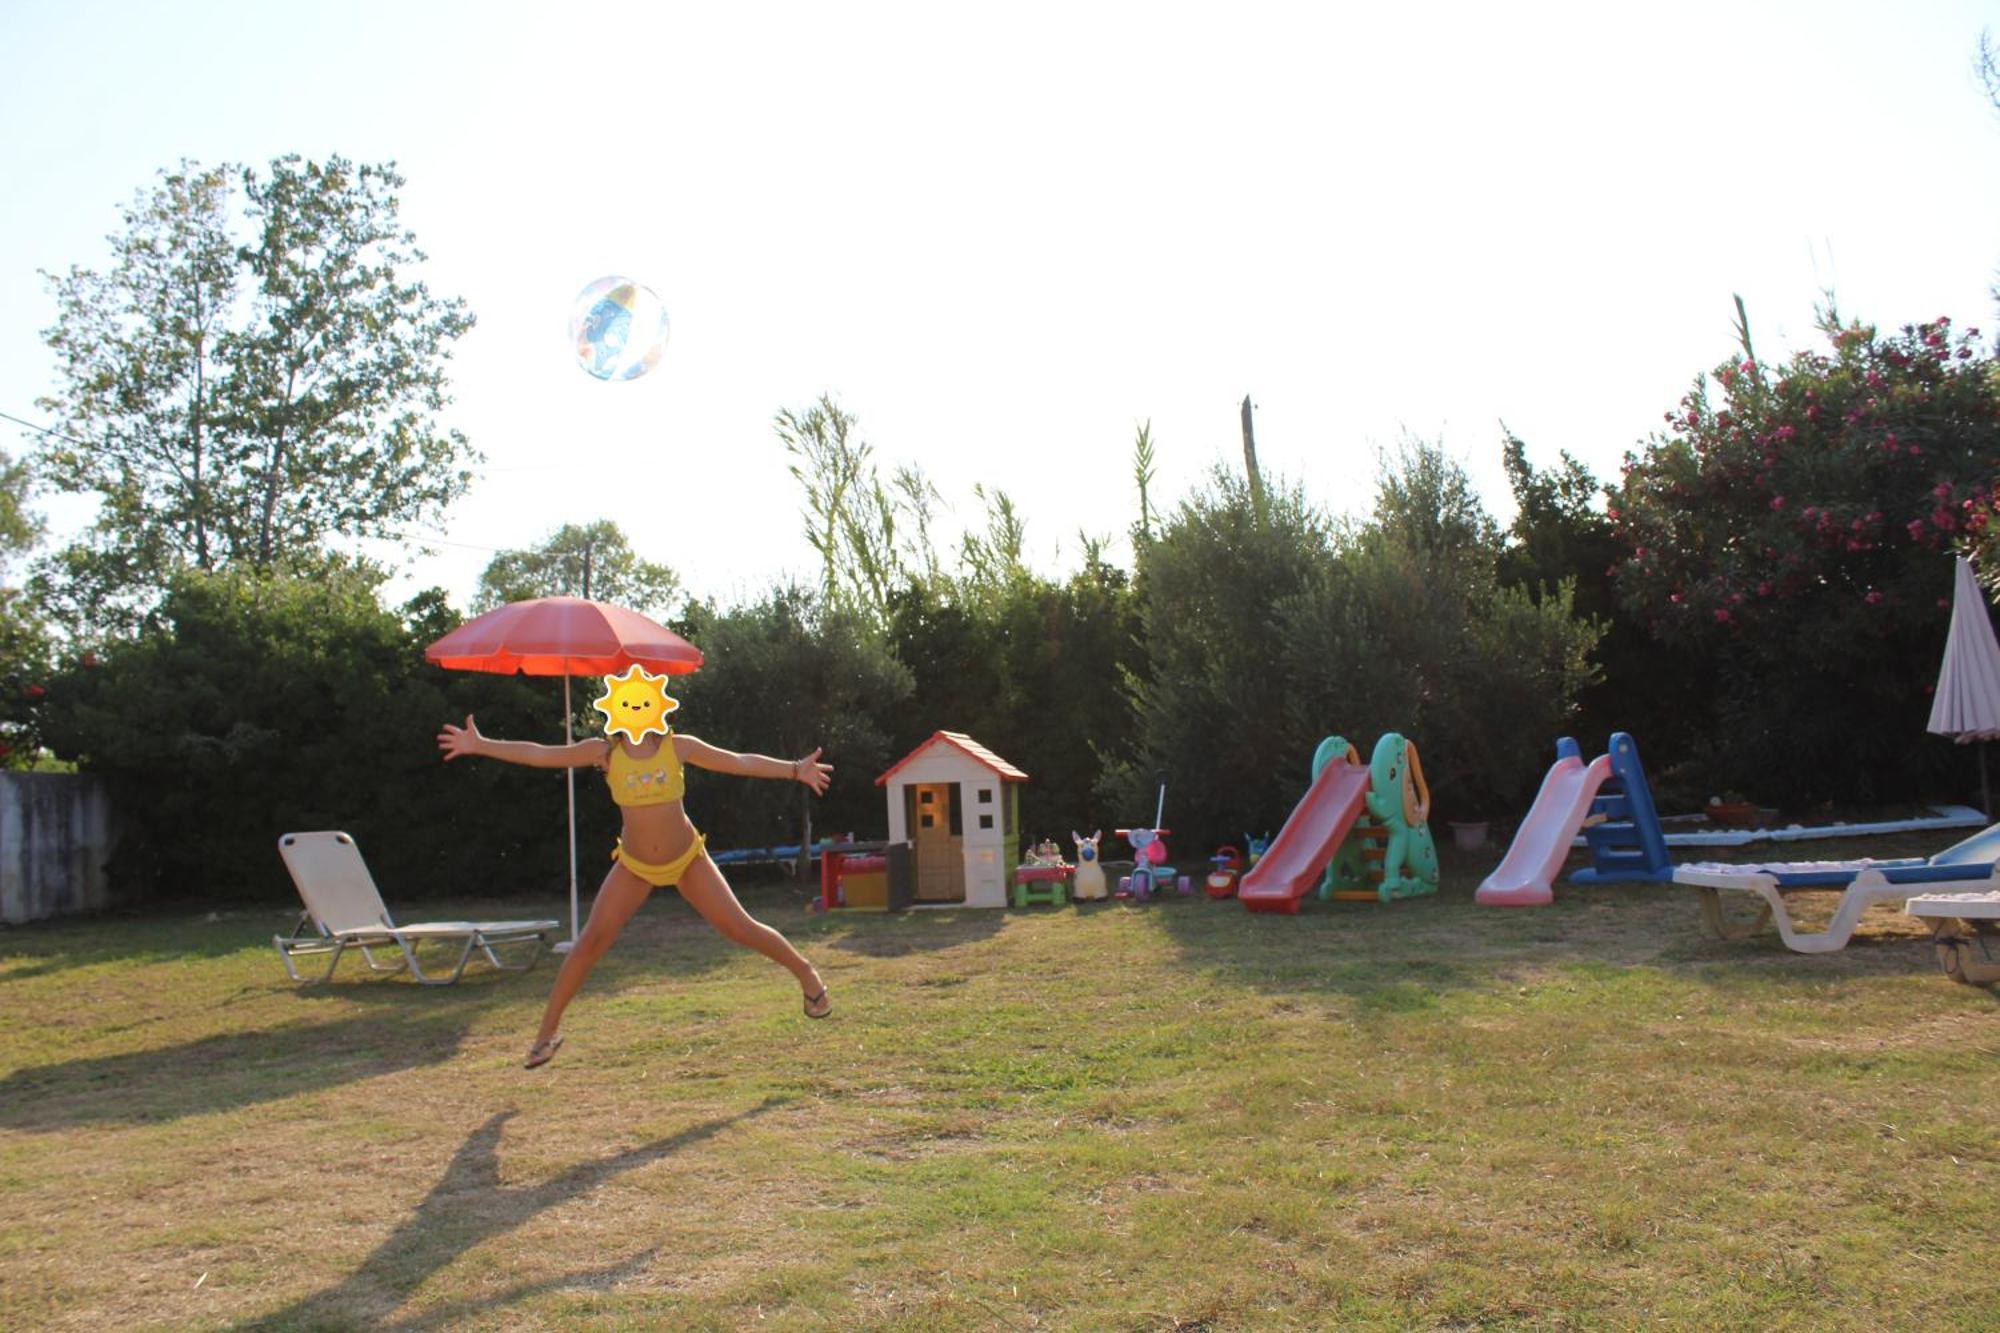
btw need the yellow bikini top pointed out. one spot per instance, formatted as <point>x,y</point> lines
<point>654,780</point>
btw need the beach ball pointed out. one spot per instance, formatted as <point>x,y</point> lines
<point>619,329</point>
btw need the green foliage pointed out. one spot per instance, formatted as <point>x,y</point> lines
<point>1562,536</point>
<point>871,538</point>
<point>591,560</point>
<point>257,704</point>
<point>238,405</point>
<point>1034,669</point>
<point>1215,714</point>
<point>24,646</point>
<point>781,677</point>
<point>1794,525</point>
<point>1267,636</point>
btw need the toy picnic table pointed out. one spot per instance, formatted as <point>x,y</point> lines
<point>1042,883</point>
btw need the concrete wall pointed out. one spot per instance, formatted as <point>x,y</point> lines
<point>55,836</point>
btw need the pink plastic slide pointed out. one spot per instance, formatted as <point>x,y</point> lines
<point>1297,857</point>
<point>1526,876</point>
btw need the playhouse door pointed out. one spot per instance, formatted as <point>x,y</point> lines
<point>940,854</point>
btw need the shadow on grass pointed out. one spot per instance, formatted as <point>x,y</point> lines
<point>466,1207</point>
<point>896,934</point>
<point>226,1071</point>
<point>42,948</point>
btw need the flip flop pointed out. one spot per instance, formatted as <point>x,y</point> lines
<point>812,1000</point>
<point>542,1052</point>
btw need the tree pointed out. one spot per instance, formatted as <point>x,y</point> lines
<point>234,405</point>
<point>257,703</point>
<point>782,676</point>
<point>1561,537</point>
<point>871,538</point>
<point>591,560</point>
<point>1796,526</point>
<point>23,641</point>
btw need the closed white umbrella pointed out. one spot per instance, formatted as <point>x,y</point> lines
<point>1966,706</point>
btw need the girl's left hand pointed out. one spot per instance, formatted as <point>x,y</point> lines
<point>812,772</point>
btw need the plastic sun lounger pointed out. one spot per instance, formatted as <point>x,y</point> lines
<point>345,910</point>
<point>1964,927</point>
<point>1967,867</point>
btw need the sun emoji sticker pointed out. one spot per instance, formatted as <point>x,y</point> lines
<point>635,704</point>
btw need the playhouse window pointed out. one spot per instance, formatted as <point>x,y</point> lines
<point>986,796</point>
<point>986,821</point>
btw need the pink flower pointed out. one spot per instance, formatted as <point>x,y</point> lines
<point>1764,589</point>
<point>1942,518</point>
<point>1777,502</point>
<point>1674,597</point>
<point>1941,489</point>
<point>1873,598</point>
<point>1721,616</point>
<point>1916,528</point>
<point>1785,432</point>
<point>36,691</point>
<point>1914,451</point>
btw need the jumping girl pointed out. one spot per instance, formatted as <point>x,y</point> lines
<point>658,846</point>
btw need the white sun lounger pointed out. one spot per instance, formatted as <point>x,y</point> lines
<point>1859,883</point>
<point>1964,927</point>
<point>344,910</point>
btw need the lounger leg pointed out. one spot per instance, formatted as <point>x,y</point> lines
<point>536,944</point>
<point>376,966</point>
<point>1964,954</point>
<point>1720,925</point>
<point>1868,887</point>
<point>332,951</point>
<point>417,971</point>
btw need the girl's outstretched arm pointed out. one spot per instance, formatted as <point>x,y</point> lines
<point>466,740</point>
<point>809,770</point>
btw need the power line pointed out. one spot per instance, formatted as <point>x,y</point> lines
<point>44,430</point>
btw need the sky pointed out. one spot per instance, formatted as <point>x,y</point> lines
<point>1004,237</point>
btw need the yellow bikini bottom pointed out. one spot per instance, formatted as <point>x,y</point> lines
<point>660,876</point>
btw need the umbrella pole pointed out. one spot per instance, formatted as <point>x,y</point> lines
<point>1985,799</point>
<point>569,780</point>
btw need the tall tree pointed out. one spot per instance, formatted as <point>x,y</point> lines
<point>239,405</point>
<point>591,560</point>
<point>23,641</point>
<point>871,538</point>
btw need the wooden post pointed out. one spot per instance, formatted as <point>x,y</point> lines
<point>1250,461</point>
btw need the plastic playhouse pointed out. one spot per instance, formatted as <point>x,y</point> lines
<point>954,830</point>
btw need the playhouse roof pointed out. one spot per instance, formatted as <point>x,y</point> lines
<point>972,750</point>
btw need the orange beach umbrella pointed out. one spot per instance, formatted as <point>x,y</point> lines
<point>563,636</point>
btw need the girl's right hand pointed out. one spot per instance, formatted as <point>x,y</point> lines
<point>455,741</point>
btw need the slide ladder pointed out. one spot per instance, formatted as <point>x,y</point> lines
<point>1627,844</point>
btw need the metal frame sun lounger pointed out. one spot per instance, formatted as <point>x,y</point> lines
<point>344,910</point>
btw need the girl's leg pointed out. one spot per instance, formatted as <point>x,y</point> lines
<point>709,894</point>
<point>620,896</point>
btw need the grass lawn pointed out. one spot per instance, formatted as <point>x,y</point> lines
<point>1174,1116</point>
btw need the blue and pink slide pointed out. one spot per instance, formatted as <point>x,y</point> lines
<point>1610,797</point>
